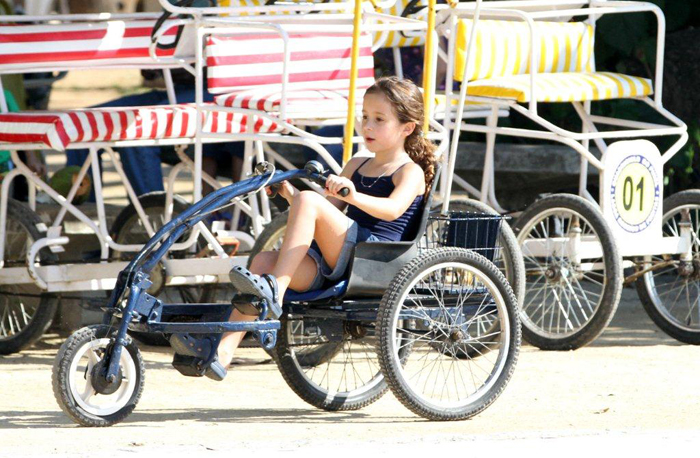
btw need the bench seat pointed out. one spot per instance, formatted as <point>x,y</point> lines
<point>58,130</point>
<point>563,87</point>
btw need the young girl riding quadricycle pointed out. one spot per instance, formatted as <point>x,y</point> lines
<point>383,276</point>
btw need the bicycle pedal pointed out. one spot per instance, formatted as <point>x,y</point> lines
<point>188,366</point>
<point>247,304</point>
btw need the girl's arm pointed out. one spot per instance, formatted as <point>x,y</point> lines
<point>409,182</point>
<point>288,191</point>
<point>347,172</point>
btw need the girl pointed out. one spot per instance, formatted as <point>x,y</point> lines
<point>384,203</point>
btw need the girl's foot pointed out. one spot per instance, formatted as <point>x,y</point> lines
<point>261,286</point>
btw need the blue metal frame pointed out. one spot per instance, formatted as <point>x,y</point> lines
<point>144,312</point>
<point>148,311</point>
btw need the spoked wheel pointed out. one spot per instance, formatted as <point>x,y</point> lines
<point>128,229</point>
<point>80,387</point>
<point>508,258</point>
<point>574,272</point>
<point>330,363</point>
<point>434,309</point>
<point>670,294</point>
<point>26,311</point>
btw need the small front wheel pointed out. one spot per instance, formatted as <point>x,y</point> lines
<point>79,389</point>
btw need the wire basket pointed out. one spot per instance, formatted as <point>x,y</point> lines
<point>474,231</point>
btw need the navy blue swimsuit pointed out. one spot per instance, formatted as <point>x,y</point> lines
<point>403,227</point>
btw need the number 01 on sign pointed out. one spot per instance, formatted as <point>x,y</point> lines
<point>632,195</point>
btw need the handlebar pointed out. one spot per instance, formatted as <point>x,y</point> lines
<point>315,174</point>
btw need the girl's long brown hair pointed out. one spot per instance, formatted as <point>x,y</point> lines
<point>407,102</point>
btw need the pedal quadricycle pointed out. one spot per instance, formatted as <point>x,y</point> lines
<point>436,324</point>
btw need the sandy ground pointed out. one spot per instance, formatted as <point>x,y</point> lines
<point>634,388</point>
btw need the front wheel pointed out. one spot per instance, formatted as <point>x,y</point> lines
<point>574,272</point>
<point>79,389</point>
<point>436,307</point>
<point>670,294</point>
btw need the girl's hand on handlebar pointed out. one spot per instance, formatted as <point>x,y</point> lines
<point>284,189</point>
<point>334,185</point>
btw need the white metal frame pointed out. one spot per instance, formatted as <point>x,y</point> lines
<point>103,275</point>
<point>579,141</point>
<point>529,11</point>
<point>293,130</point>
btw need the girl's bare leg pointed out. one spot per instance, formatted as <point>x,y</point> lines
<point>311,216</point>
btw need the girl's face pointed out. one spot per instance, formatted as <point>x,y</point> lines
<point>381,129</point>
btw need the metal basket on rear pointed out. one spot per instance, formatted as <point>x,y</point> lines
<point>474,231</point>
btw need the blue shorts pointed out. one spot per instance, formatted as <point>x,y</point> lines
<point>353,236</point>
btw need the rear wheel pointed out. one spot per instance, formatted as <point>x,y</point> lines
<point>330,363</point>
<point>433,310</point>
<point>26,311</point>
<point>670,294</point>
<point>574,272</point>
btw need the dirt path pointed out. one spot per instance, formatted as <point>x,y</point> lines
<point>633,386</point>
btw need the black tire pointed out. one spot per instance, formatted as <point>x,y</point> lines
<point>271,237</point>
<point>675,308</point>
<point>128,229</point>
<point>333,369</point>
<point>26,312</point>
<point>68,372</point>
<point>416,313</point>
<point>567,306</point>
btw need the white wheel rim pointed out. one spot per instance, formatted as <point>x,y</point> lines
<point>559,310</point>
<point>80,383</point>
<point>482,372</point>
<point>681,291</point>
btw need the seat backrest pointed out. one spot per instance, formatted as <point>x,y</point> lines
<point>398,39</point>
<point>46,46</point>
<point>502,48</point>
<point>255,60</point>
<point>427,205</point>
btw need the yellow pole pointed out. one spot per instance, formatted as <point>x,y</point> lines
<point>428,70</point>
<point>350,124</point>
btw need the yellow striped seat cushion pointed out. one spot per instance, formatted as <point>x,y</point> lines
<point>502,48</point>
<point>563,87</point>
